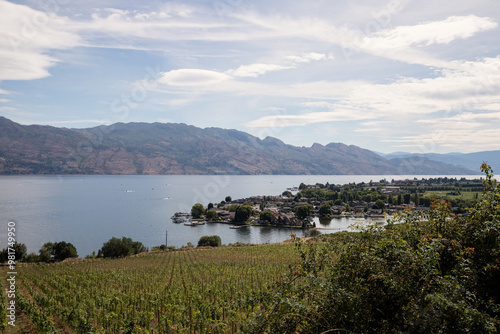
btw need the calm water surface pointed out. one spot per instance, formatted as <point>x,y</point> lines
<point>89,210</point>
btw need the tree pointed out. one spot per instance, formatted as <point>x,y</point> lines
<point>228,199</point>
<point>197,210</point>
<point>116,247</point>
<point>243,213</point>
<point>57,251</point>
<point>325,210</point>
<point>212,241</point>
<point>47,252</point>
<point>64,250</point>
<point>406,198</point>
<point>379,204</point>
<point>287,193</point>
<point>304,211</point>
<point>20,253</point>
<point>210,206</point>
<point>211,215</point>
<point>266,216</point>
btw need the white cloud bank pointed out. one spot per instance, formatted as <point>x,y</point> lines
<point>26,35</point>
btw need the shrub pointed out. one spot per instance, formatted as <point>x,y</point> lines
<point>212,241</point>
<point>115,247</point>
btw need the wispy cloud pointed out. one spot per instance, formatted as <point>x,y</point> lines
<point>25,37</point>
<point>192,77</point>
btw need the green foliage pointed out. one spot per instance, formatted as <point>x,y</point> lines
<point>32,258</point>
<point>116,247</point>
<point>426,272</point>
<point>211,215</point>
<point>19,251</point>
<point>242,213</point>
<point>287,193</point>
<point>228,199</point>
<point>266,216</point>
<point>197,210</point>
<point>64,250</point>
<point>379,204</point>
<point>46,252</point>
<point>212,241</point>
<point>57,251</point>
<point>325,210</point>
<point>304,211</point>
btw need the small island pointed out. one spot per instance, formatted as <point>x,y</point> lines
<point>297,207</point>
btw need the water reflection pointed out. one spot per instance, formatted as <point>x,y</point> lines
<point>323,221</point>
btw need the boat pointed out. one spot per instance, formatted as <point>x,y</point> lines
<point>190,224</point>
<point>181,217</point>
<point>199,222</point>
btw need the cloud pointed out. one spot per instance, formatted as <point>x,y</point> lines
<point>255,70</point>
<point>308,57</point>
<point>192,77</point>
<point>340,115</point>
<point>406,43</point>
<point>26,35</point>
<point>426,34</point>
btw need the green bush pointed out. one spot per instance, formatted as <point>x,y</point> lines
<point>116,247</point>
<point>427,272</point>
<point>212,241</point>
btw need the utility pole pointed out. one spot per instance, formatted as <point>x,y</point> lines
<point>166,237</point>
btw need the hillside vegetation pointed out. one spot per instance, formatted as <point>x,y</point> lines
<point>431,273</point>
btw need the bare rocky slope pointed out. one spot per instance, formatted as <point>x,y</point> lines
<point>165,148</point>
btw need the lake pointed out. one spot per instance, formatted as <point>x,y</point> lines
<point>87,210</point>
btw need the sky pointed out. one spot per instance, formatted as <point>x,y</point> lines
<point>393,75</point>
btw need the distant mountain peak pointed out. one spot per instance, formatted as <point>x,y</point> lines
<point>168,148</point>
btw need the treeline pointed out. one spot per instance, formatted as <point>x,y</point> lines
<point>113,248</point>
<point>60,251</point>
<point>406,193</point>
<point>50,252</point>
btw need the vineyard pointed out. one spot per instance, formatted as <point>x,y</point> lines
<point>190,291</point>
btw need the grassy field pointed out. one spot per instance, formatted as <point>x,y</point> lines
<point>189,291</point>
<point>466,195</point>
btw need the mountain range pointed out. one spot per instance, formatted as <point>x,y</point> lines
<point>469,160</point>
<point>166,148</point>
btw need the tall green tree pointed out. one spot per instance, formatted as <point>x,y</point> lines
<point>325,210</point>
<point>304,211</point>
<point>197,210</point>
<point>266,216</point>
<point>243,213</point>
<point>57,251</point>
